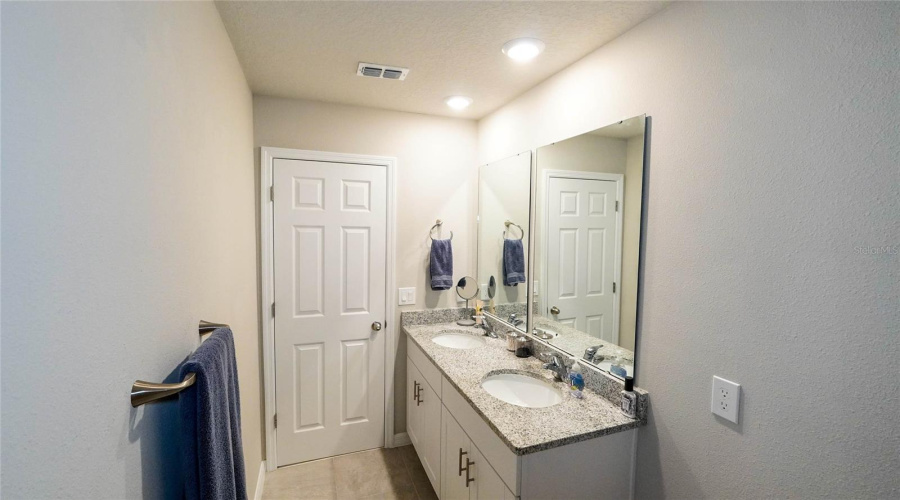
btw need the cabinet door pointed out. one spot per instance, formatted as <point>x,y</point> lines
<point>456,452</point>
<point>487,484</point>
<point>429,433</point>
<point>413,413</point>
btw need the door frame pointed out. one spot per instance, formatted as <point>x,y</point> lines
<point>267,156</point>
<point>544,199</point>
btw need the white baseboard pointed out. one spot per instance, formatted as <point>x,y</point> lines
<point>401,439</point>
<point>260,481</point>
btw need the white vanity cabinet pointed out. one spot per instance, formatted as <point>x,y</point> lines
<point>423,422</point>
<point>465,459</point>
<point>466,474</point>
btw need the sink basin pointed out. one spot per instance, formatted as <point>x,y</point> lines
<point>521,390</point>
<point>458,340</point>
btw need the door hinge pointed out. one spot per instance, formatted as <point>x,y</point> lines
<point>273,309</point>
<point>276,420</point>
<point>614,287</point>
<point>617,205</point>
<point>272,193</point>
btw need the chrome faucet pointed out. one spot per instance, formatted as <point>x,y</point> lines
<point>515,321</point>
<point>558,367</point>
<point>488,331</point>
<point>590,352</point>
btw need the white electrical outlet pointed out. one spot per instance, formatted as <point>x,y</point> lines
<point>407,296</point>
<point>726,399</point>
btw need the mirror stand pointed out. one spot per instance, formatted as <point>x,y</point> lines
<point>467,321</point>
<point>467,289</point>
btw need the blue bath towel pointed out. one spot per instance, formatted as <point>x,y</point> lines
<point>513,262</point>
<point>441,265</point>
<point>213,458</point>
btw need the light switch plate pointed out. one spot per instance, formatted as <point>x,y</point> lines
<point>484,292</point>
<point>407,296</point>
<point>726,399</point>
<point>537,287</point>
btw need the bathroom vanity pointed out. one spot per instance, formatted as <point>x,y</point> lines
<point>543,443</point>
<point>487,424</point>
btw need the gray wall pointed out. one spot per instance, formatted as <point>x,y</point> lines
<point>128,215</point>
<point>774,153</point>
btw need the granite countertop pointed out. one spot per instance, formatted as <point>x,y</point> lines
<point>524,430</point>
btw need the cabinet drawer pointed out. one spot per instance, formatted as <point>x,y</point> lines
<point>501,458</point>
<point>426,367</point>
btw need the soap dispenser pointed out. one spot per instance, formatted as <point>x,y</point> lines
<point>629,398</point>
<point>576,379</point>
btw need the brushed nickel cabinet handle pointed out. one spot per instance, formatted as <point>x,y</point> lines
<point>461,468</point>
<point>419,399</point>
<point>469,465</point>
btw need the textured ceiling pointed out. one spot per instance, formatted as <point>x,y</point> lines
<point>310,50</point>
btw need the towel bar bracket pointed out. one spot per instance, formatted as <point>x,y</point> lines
<point>143,392</point>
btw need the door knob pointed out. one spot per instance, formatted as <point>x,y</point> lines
<point>376,326</point>
<point>554,310</point>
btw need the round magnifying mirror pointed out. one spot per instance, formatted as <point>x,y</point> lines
<point>467,289</point>
<point>492,287</point>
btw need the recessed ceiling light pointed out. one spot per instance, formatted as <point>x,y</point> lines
<point>458,102</point>
<point>523,49</point>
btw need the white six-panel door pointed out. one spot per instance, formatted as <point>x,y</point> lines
<point>329,285</point>
<point>582,260</point>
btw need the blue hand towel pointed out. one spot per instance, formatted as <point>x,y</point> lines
<point>211,422</point>
<point>441,265</point>
<point>513,262</point>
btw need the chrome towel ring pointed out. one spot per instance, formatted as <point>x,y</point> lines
<point>511,223</point>
<point>439,222</point>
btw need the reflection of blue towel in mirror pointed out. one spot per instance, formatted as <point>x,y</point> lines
<point>513,262</point>
<point>441,265</point>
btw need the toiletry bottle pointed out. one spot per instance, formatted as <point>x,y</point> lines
<point>576,380</point>
<point>511,338</point>
<point>523,347</point>
<point>629,398</point>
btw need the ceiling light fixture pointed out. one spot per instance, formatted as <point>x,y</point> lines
<point>523,49</point>
<point>458,102</point>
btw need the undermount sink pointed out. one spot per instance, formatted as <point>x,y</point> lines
<point>521,390</point>
<point>458,340</point>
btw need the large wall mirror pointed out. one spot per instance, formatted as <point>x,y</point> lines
<point>504,192</point>
<point>588,205</point>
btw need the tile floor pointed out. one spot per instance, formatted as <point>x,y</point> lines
<point>382,473</point>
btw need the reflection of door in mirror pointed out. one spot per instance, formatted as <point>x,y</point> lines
<point>584,251</point>
<point>588,213</point>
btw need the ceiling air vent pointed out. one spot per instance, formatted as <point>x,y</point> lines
<point>381,71</point>
<point>371,71</point>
